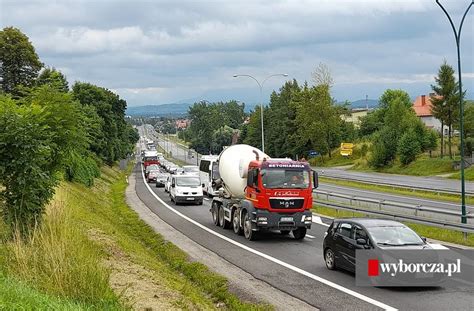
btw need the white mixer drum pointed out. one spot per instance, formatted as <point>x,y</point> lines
<point>233,165</point>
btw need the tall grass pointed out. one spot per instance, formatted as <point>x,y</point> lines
<point>59,260</point>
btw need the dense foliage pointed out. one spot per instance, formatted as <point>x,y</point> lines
<point>213,125</point>
<point>445,101</point>
<point>47,132</point>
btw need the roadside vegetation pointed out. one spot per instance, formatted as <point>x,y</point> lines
<point>93,252</point>
<point>423,230</point>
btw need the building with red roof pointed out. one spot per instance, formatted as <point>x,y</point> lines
<point>422,106</point>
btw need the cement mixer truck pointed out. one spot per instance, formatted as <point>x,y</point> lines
<point>255,193</point>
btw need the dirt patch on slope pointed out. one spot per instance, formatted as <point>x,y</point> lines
<point>134,283</point>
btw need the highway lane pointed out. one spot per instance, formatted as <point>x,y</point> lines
<point>305,255</point>
<point>434,183</point>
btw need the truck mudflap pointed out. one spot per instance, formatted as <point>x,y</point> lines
<point>263,219</point>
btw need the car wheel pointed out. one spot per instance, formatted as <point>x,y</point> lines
<point>248,232</point>
<point>330,259</point>
<point>299,233</point>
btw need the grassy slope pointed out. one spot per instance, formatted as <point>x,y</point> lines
<point>102,208</point>
<point>423,166</point>
<point>468,174</point>
<point>15,295</point>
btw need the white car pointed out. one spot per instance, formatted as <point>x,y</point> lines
<point>186,189</point>
<point>168,184</point>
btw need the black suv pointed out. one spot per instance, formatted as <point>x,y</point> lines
<point>344,236</point>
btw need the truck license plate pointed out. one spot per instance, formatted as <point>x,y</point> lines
<point>190,199</point>
<point>285,219</point>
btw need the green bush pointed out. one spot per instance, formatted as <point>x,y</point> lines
<point>82,169</point>
<point>408,147</point>
<point>384,148</point>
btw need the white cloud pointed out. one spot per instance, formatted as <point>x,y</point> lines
<point>163,51</point>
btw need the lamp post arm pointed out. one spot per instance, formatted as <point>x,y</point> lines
<point>274,75</point>
<point>450,20</point>
<point>462,20</point>
<point>259,85</point>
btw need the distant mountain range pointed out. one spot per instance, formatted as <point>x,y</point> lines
<point>181,109</point>
<point>167,110</point>
<point>362,103</point>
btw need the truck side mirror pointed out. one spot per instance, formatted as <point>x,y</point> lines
<point>315,180</point>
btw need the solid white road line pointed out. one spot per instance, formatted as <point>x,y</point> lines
<point>272,259</point>
<point>319,221</point>
<point>437,246</point>
<point>310,236</point>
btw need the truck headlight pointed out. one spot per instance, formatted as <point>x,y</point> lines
<point>308,219</point>
<point>262,220</point>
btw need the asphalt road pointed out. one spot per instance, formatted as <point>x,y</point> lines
<point>433,183</point>
<point>296,267</point>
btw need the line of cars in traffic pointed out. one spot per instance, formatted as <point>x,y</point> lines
<point>182,183</point>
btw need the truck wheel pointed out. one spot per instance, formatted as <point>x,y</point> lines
<point>236,223</point>
<point>223,223</point>
<point>248,233</point>
<point>285,232</point>
<point>299,233</point>
<point>215,213</point>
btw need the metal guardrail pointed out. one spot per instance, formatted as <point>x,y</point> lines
<point>401,217</point>
<point>411,187</point>
<point>381,203</point>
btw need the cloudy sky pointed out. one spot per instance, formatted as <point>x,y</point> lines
<point>158,52</point>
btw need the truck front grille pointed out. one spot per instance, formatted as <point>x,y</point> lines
<point>283,203</point>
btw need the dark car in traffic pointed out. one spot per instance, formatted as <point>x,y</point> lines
<point>345,236</point>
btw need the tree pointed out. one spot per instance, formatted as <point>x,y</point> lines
<point>19,61</point>
<point>38,137</point>
<point>430,141</point>
<point>322,75</point>
<point>54,78</point>
<point>408,147</point>
<point>398,119</point>
<point>111,139</point>
<point>253,131</point>
<point>445,101</point>
<point>390,95</point>
<point>222,137</point>
<point>371,123</point>
<point>281,117</point>
<point>318,120</point>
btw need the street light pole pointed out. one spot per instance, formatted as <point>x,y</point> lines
<point>457,36</point>
<point>260,85</point>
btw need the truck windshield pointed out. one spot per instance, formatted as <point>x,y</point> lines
<point>188,181</point>
<point>287,179</point>
<point>151,158</point>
